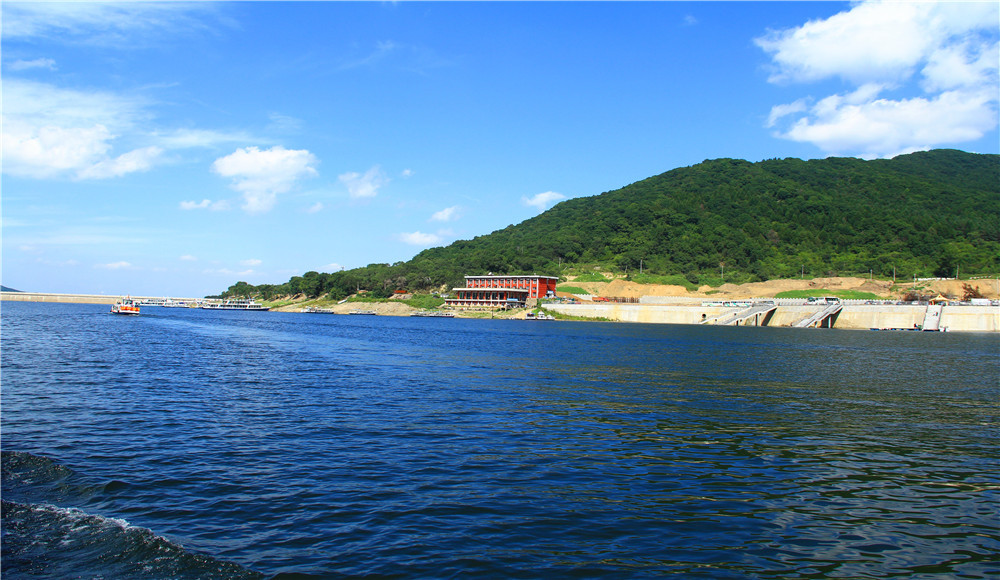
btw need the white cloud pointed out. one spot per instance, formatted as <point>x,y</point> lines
<point>420,239</point>
<point>191,138</point>
<point>779,111</point>
<point>19,65</point>
<point>447,214</point>
<point>250,262</point>
<point>407,173</point>
<point>262,175</point>
<point>114,265</point>
<point>284,123</point>
<point>53,132</point>
<point>102,23</point>
<point>926,75</point>
<point>137,160</point>
<point>542,200</point>
<point>885,128</point>
<point>188,258</point>
<point>315,208</point>
<point>189,205</point>
<point>363,186</point>
<point>220,205</point>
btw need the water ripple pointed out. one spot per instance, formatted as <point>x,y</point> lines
<point>371,446</point>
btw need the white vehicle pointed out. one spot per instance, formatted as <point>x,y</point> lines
<point>823,300</point>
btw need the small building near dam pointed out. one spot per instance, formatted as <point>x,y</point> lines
<point>502,291</point>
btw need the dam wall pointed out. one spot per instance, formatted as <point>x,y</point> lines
<point>73,298</point>
<point>853,316</point>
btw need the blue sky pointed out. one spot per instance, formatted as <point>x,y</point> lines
<point>176,148</point>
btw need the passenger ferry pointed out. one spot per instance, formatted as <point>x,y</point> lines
<point>235,304</point>
<point>126,306</point>
<point>433,314</point>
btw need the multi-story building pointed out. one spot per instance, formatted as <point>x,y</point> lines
<point>502,291</point>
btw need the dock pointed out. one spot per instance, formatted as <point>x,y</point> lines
<point>760,313</point>
<point>824,318</point>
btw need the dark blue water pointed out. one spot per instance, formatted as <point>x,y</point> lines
<point>197,444</point>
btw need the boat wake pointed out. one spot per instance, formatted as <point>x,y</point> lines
<point>41,539</point>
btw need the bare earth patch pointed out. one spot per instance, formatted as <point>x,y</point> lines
<point>882,288</point>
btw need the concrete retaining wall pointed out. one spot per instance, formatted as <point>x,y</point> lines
<point>856,316</point>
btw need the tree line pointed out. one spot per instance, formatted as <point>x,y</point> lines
<point>934,213</point>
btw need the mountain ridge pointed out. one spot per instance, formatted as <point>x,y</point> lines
<point>925,213</point>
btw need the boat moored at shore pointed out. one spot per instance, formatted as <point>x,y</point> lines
<point>236,304</point>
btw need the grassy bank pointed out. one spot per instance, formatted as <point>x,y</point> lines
<point>842,294</point>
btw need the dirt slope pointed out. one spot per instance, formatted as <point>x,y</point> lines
<point>881,288</point>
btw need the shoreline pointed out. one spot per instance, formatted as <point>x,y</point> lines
<point>855,315</point>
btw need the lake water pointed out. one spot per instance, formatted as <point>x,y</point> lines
<point>194,444</point>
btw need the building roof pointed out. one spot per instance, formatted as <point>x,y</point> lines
<point>513,276</point>
<point>492,288</point>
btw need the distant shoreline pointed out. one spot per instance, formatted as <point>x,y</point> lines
<point>74,298</point>
<point>854,316</point>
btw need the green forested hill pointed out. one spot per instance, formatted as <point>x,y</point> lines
<point>922,214</point>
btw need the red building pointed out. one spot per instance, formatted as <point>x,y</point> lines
<point>502,291</point>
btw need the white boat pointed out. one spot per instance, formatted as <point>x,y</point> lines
<point>235,304</point>
<point>126,306</point>
<point>363,312</point>
<point>427,314</point>
<point>538,316</point>
<point>170,303</point>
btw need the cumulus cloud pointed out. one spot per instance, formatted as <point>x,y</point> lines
<point>250,262</point>
<point>447,214</point>
<point>925,74</point>
<point>363,186</point>
<point>262,175</point>
<point>52,132</point>
<point>542,200</point>
<point>315,208</point>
